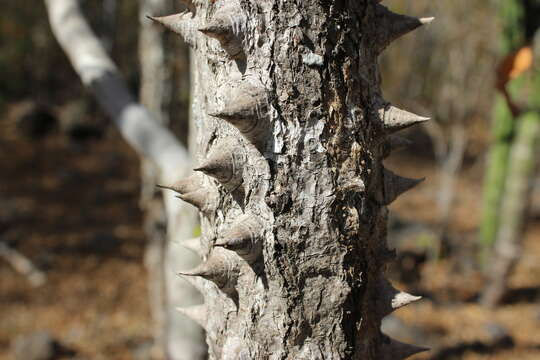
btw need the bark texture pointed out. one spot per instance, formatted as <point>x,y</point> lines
<point>292,130</point>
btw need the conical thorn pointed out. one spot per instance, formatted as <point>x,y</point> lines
<point>395,185</point>
<point>227,26</point>
<point>392,299</point>
<point>204,200</point>
<point>220,268</point>
<point>246,108</point>
<point>184,186</point>
<point>395,350</point>
<point>182,24</point>
<point>391,26</point>
<point>244,238</point>
<point>225,163</point>
<point>395,119</point>
<point>198,283</point>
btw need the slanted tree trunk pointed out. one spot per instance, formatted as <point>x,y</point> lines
<point>292,130</point>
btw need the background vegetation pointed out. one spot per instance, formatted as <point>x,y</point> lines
<point>69,196</point>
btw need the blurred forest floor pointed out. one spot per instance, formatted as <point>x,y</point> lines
<point>448,319</point>
<point>73,209</point>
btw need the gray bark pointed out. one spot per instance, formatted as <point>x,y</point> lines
<point>292,131</point>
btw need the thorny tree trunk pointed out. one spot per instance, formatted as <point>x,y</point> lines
<point>292,131</point>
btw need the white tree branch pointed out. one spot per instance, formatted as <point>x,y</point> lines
<point>99,73</point>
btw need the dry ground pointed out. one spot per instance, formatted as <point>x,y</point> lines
<point>73,210</point>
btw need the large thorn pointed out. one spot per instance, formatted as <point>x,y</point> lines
<point>246,108</point>
<point>395,185</point>
<point>225,163</point>
<point>395,119</point>
<point>184,186</point>
<point>183,24</point>
<point>220,268</point>
<point>392,299</point>
<point>395,143</point>
<point>227,26</point>
<point>391,26</point>
<point>244,238</point>
<point>205,200</point>
<point>395,350</point>
<point>198,283</point>
<point>197,313</point>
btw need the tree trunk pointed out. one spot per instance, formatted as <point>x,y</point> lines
<point>108,23</point>
<point>161,259</point>
<point>515,202</point>
<point>292,131</point>
<point>494,183</point>
<point>154,94</point>
<point>503,129</point>
<point>514,148</point>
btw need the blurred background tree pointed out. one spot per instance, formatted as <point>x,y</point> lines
<point>510,175</point>
<point>511,15</point>
<point>76,110</point>
<point>454,81</point>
